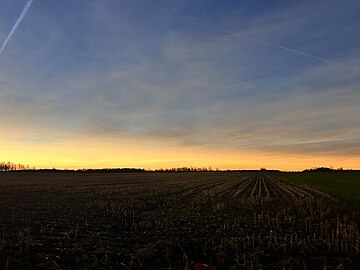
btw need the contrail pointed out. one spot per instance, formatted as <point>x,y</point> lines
<point>18,21</point>
<point>274,45</point>
<point>292,50</point>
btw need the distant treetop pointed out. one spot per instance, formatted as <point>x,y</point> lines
<point>9,166</point>
<point>322,169</point>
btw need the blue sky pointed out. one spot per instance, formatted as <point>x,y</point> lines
<point>279,77</point>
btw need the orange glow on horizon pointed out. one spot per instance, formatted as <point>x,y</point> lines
<point>110,152</point>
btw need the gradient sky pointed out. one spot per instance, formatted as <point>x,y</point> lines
<point>227,84</point>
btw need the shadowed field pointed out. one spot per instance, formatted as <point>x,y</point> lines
<point>233,220</point>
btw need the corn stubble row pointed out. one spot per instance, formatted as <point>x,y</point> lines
<point>242,220</point>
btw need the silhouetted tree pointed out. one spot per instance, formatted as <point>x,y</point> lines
<point>9,166</point>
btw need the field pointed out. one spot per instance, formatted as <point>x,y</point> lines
<point>232,220</point>
<point>343,184</point>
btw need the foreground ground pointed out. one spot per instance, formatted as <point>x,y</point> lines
<point>242,220</point>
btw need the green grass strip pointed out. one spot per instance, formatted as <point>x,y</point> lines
<point>344,184</point>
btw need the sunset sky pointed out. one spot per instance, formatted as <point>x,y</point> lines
<point>159,84</point>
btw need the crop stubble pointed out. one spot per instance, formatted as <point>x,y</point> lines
<point>234,220</point>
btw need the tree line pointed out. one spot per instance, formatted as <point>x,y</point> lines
<point>186,169</point>
<point>10,166</point>
<point>323,169</point>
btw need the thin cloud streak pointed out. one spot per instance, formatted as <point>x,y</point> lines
<point>18,21</point>
<point>274,45</point>
<point>294,51</point>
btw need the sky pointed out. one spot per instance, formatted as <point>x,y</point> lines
<point>160,84</point>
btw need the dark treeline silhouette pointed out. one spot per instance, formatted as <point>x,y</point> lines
<point>320,169</point>
<point>10,166</point>
<point>131,170</point>
<point>209,169</point>
<point>326,169</point>
<point>186,169</point>
<point>114,170</point>
<point>104,170</point>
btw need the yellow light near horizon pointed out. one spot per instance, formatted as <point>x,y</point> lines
<point>147,153</point>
